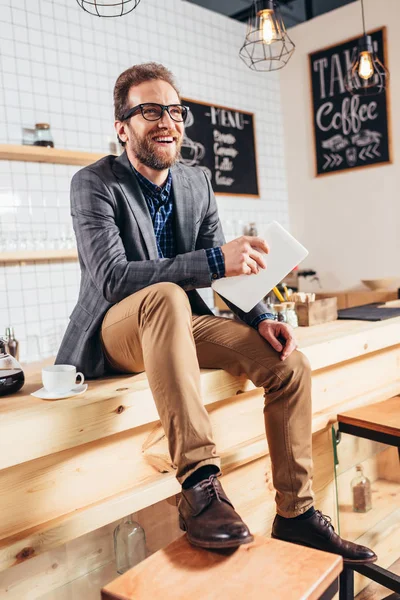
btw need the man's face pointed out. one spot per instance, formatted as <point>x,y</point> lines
<point>155,144</point>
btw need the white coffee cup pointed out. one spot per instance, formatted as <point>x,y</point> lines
<point>60,378</point>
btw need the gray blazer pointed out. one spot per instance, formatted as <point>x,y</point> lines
<point>118,253</point>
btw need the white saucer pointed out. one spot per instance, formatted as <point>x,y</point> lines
<point>45,395</point>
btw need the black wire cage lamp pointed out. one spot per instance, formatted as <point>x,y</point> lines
<point>267,45</point>
<point>367,75</point>
<point>108,8</point>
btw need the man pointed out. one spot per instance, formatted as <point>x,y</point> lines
<point>148,235</point>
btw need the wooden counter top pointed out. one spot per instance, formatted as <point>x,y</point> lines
<point>115,404</point>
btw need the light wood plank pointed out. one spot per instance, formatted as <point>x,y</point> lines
<point>25,256</point>
<point>111,405</point>
<point>331,343</point>
<point>48,155</point>
<point>264,568</point>
<point>82,562</point>
<point>115,404</point>
<point>357,377</point>
<point>383,417</point>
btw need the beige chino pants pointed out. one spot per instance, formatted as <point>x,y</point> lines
<point>155,331</point>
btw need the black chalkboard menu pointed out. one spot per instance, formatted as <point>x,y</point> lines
<point>349,131</point>
<point>220,140</point>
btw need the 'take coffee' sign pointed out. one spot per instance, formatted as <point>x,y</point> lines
<point>350,131</point>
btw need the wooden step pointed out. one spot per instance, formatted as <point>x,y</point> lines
<point>247,480</point>
<point>266,568</point>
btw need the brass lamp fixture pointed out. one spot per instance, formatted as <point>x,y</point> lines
<point>367,75</point>
<point>108,8</point>
<point>267,45</point>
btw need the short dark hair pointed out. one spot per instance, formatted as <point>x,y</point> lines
<point>135,76</point>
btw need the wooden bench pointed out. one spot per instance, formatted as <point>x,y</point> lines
<point>379,422</point>
<point>266,568</point>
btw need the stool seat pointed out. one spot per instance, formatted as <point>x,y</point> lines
<point>380,421</point>
<point>266,568</point>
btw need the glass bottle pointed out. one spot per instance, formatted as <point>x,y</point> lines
<point>11,374</point>
<point>12,343</point>
<point>252,230</point>
<point>291,315</point>
<point>361,488</point>
<point>129,544</point>
<point>43,135</point>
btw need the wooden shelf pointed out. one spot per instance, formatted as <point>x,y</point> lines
<point>48,155</point>
<point>29,256</point>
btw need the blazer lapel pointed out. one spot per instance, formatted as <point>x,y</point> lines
<point>184,217</point>
<point>131,188</point>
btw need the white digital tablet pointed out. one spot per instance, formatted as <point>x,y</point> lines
<point>245,291</point>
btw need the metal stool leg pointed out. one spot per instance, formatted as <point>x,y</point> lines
<point>346,590</point>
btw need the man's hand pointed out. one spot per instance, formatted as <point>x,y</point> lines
<point>279,335</point>
<point>242,256</point>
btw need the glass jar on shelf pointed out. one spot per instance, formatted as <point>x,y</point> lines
<point>42,136</point>
<point>129,544</point>
<point>361,491</point>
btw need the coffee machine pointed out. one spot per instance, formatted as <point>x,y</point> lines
<point>12,377</point>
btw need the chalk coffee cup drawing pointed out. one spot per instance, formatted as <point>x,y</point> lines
<point>61,378</point>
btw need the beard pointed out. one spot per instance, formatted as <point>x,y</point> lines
<point>145,150</point>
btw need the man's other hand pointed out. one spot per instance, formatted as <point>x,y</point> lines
<point>243,255</point>
<point>279,335</point>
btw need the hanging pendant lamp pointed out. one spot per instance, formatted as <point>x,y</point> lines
<point>367,75</point>
<point>108,8</point>
<point>267,46</point>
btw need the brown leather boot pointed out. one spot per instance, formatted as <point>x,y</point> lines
<point>318,532</point>
<point>208,517</point>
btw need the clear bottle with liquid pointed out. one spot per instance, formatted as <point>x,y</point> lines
<point>129,544</point>
<point>361,489</point>
<point>11,374</point>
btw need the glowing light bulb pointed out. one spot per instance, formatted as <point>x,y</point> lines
<point>366,67</point>
<point>269,33</point>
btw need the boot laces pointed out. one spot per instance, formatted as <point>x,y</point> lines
<point>209,486</point>
<point>325,519</point>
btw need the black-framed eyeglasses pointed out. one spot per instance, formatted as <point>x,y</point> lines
<point>153,112</point>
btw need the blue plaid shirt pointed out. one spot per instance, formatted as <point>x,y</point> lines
<point>161,206</point>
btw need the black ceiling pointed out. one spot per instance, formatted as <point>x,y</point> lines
<point>293,11</point>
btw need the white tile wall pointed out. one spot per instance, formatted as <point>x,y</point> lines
<point>59,64</point>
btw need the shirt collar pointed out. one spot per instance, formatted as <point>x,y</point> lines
<point>151,187</point>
